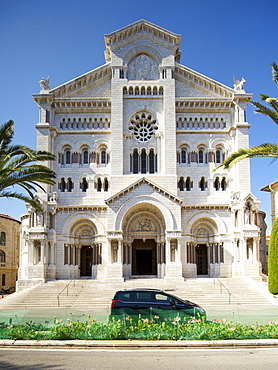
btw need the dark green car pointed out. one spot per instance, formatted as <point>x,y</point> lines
<point>149,303</point>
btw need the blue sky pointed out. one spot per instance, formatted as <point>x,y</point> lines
<point>64,39</point>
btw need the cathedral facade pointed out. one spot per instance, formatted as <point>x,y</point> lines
<point>137,141</point>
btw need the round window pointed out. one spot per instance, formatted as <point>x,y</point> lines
<point>143,126</point>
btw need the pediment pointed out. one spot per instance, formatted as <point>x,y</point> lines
<point>139,184</point>
<point>142,28</point>
<point>82,86</point>
<point>194,84</point>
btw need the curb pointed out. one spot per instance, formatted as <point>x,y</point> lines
<point>137,345</point>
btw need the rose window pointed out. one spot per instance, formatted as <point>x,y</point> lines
<point>143,126</point>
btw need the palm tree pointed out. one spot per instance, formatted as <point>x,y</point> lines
<point>263,150</point>
<point>18,166</point>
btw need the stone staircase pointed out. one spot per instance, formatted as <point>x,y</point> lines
<point>91,294</point>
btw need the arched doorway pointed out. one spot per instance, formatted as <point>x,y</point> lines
<point>144,232</point>
<point>144,261</point>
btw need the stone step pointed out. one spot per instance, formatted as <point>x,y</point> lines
<point>94,294</point>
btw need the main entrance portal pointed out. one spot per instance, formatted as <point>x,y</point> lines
<point>144,260</point>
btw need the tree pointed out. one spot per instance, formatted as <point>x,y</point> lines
<point>263,150</point>
<point>273,259</point>
<point>18,166</point>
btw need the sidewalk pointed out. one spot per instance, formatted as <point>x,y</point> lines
<point>137,345</point>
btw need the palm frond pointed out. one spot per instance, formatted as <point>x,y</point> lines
<point>263,150</point>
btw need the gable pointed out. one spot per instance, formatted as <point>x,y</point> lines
<point>141,187</point>
<point>137,30</point>
<point>190,83</point>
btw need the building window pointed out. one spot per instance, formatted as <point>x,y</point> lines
<point>103,157</point>
<point>181,184</point>
<point>135,157</point>
<point>3,238</point>
<point>217,184</point>
<point>85,157</point>
<point>183,156</point>
<point>62,185</point>
<point>143,125</point>
<point>84,185</point>
<point>70,184</point>
<point>3,280</point>
<point>143,161</point>
<point>106,185</point>
<point>218,156</point>
<point>201,156</point>
<point>67,157</point>
<point>223,183</point>
<point>188,184</point>
<point>2,257</point>
<point>152,162</point>
<point>99,184</point>
<point>202,184</point>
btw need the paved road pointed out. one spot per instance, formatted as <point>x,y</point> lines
<point>249,359</point>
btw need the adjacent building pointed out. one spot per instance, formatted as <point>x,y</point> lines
<point>9,251</point>
<point>137,143</point>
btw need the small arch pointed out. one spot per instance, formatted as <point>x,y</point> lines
<point>3,238</point>
<point>181,184</point>
<point>188,184</point>
<point>99,184</point>
<point>2,256</point>
<point>130,90</point>
<point>106,184</point>
<point>224,184</point>
<point>84,185</point>
<point>217,183</point>
<point>62,185</point>
<point>70,184</point>
<point>202,184</point>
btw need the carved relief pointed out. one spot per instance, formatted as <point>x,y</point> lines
<point>143,67</point>
<point>144,225</point>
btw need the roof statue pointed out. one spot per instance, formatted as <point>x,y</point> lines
<point>238,85</point>
<point>44,84</point>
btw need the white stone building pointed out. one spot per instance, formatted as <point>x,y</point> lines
<point>136,142</point>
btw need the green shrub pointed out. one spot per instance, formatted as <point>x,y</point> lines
<point>273,259</point>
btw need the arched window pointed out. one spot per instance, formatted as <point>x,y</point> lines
<point>217,183</point>
<point>135,161</point>
<point>67,156</point>
<point>183,155</point>
<point>218,156</point>
<point>3,238</point>
<point>106,184</point>
<point>85,157</point>
<point>2,257</point>
<point>103,156</point>
<point>223,183</point>
<point>3,280</point>
<point>143,161</point>
<point>62,185</point>
<point>84,184</point>
<point>188,184</point>
<point>70,184</point>
<point>201,156</point>
<point>152,161</point>
<point>202,184</point>
<point>181,184</point>
<point>99,184</point>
